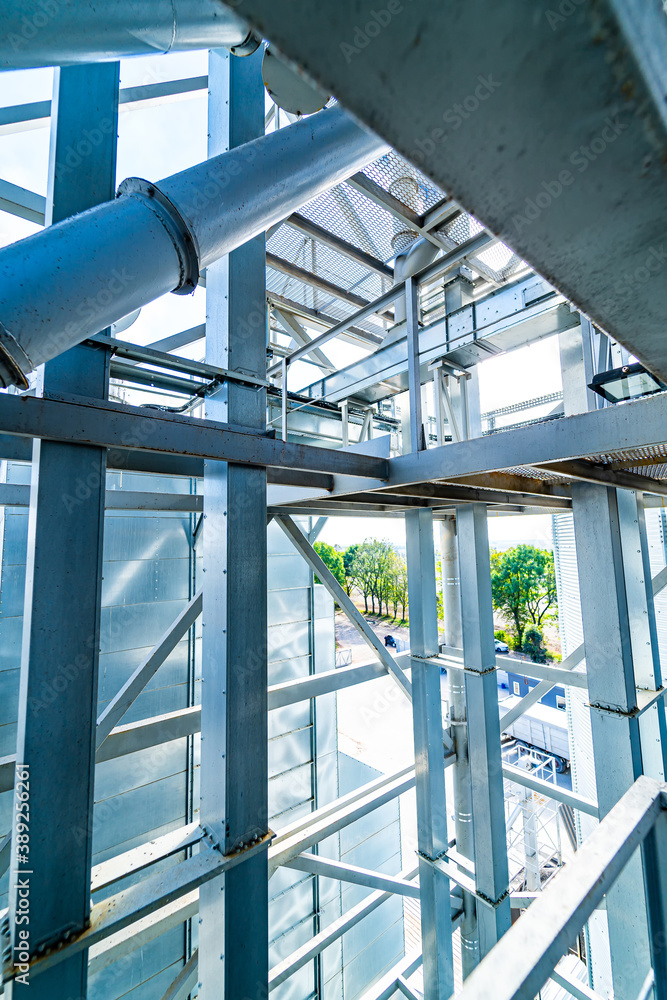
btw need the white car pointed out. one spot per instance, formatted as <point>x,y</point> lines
<point>501,647</point>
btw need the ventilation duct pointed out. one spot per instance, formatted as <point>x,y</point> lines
<point>85,273</point>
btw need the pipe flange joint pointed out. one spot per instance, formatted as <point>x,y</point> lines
<point>181,235</point>
<point>14,362</point>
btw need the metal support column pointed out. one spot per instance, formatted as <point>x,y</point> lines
<point>481,696</point>
<point>641,615</point>
<point>61,635</point>
<point>430,771</point>
<point>614,711</point>
<point>451,603</point>
<point>414,379</point>
<point>233,910</point>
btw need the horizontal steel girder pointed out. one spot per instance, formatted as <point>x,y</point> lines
<point>128,429</point>
<point>550,127</point>
<point>123,427</point>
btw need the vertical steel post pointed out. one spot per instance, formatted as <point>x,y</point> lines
<point>655,861</point>
<point>643,633</point>
<point>61,634</point>
<point>414,379</point>
<point>614,716</point>
<point>233,910</point>
<point>430,771</point>
<point>451,602</point>
<point>481,696</point>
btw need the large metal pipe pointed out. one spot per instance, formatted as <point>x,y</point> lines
<point>61,32</point>
<point>80,276</point>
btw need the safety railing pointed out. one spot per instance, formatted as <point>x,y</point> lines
<point>527,955</point>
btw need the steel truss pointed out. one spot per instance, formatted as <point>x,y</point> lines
<point>232,853</point>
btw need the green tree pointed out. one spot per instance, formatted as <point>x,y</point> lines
<point>349,557</point>
<point>399,586</point>
<point>533,644</point>
<point>524,587</point>
<point>332,559</point>
<point>361,573</point>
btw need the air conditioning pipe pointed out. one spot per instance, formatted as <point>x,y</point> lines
<point>63,32</point>
<point>85,273</point>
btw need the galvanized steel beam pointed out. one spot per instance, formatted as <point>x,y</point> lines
<point>138,680</point>
<point>612,694</point>
<point>487,795</point>
<point>124,428</point>
<point>304,547</point>
<point>314,864</point>
<point>233,913</point>
<point>432,838</point>
<point>518,968</point>
<point>61,637</point>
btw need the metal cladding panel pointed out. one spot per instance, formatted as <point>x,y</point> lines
<point>299,934</point>
<point>295,904</point>
<point>130,581</point>
<point>287,571</point>
<point>117,666</point>
<point>137,812</point>
<point>288,719</point>
<point>288,791</point>
<point>150,988</point>
<point>374,841</point>
<point>288,641</point>
<point>288,670</point>
<point>135,626</point>
<point>387,948</point>
<point>656,531</point>
<point>114,777</point>
<point>9,696</point>
<point>140,796</point>
<point>289,751</point>
<point>283,879</point>
<point>151,960</point>
<point>298,987</point>
<point>286,606</point>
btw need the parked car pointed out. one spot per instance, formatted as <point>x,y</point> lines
<point>501,647</point>
<point>390,641</point>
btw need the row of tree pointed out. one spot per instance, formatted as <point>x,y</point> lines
<point>523,584</point>
<point>374,569</point>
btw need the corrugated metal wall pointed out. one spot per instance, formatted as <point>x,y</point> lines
<point>150,573</point>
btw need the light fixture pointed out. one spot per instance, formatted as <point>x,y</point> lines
<point>628,382</point>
